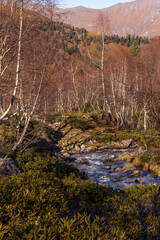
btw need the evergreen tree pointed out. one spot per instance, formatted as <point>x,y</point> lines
<point>134,49</point>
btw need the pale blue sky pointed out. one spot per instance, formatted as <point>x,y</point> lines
<point>98,4</point>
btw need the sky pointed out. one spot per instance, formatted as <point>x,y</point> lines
<point>97,4</point>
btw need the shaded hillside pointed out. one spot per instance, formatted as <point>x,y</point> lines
<point>140,17</point>
<point>73,39</point>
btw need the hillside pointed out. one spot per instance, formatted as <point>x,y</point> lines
<point>73,39</point>
<point>140,17</point>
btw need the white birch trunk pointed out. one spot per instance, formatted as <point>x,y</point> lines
<point>28,118</point>
<point>18,64</point>
<point>145,118</point>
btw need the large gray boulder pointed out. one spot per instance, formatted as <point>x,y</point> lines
<point>8,167</point>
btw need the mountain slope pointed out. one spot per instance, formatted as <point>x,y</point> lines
<point>140,17</point>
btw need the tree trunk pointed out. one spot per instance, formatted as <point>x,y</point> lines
<point>18,63</point>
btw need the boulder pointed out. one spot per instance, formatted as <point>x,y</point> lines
<point>129,169</point>
<point>146,167</point>
<point>66,155</point>
<point>89,149</point>
<point>117,169</point>
<point>8,167</point>
<point>140,181</point>
<point>137,173</point>
<point>83,147</point>
<point>77,148</point>
<point>111,157</point>
<point>125,143</point>
<point>118,145</point>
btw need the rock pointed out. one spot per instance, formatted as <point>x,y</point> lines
<point>117,169</point>
<point>86,163</point>
<point>146,167</point>
<point>83,147</point>
<point>125,143</point>
<point>106,161</point>
<point>73,145</point>
<point>8,167</point>
<point>81,161</point>
<point>89,149</point>
<point>141,149</point>
<point>137,173</point>
<point>130,169</point>
<point>66,155</point>
<point>117,145</point>
<point>137,163</point>
<point>112,157</point>
<point>65,143</point>
<point>140,181</point>
<point>77,148</point>
<point>68,149</point>
<point>155,169</point>
<point>130,181</point>
<point>58,154</point>
<point>107,167</point>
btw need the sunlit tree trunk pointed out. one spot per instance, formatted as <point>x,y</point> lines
<point>18,63</point>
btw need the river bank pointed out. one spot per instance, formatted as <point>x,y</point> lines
<point>102,137</point>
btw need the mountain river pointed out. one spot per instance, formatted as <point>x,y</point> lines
<point>102,167</point>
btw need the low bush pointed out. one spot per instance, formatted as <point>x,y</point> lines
<point>77,123</point>
<point>50,200</point>
<point>8,134</point>
<point>150,158</point>
<point>53,117</point>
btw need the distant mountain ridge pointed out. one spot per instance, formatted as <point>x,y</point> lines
<point>140,17</point>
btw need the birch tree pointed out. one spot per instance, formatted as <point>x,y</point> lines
<point>103,25</point>
<point>3,53</point>
<point>18,95</point>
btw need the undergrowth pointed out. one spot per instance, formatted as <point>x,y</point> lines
<point>52,199</point>
<point>77,123</point>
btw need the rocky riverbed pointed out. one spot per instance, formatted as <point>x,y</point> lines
<point>104,166</point>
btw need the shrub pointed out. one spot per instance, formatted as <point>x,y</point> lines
<point>53,117</point>
<point>7,137</point>
<point>88,107</point>
<point>49,200</point>
<point>77,123</point>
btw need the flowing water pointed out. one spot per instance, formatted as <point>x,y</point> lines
<point>101,168</point>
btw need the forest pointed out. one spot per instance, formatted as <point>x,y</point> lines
<point>64,90</point>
